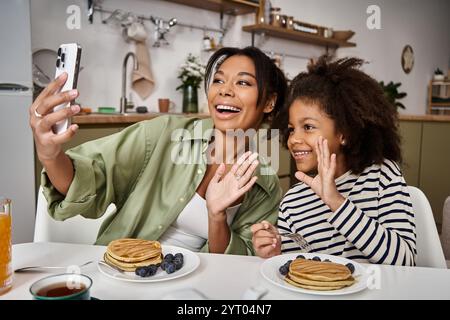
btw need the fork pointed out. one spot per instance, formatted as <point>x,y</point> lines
<point>104,263</point>
<point>33,268</point>
<point>298,239</point>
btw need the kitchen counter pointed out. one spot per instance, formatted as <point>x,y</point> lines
<point>425,117</point>
<point>104,118</point>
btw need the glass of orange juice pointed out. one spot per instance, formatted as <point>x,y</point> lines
<point>5,246</point>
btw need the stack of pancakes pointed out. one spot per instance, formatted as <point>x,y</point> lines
<point>317,275</point>
<point>129,254</point>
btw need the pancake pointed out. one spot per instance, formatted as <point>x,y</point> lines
<point>131,266</point>
<point>133,250</point>
<point>318,275</point>
<point>312,287</point>
<point>308,282</point>
<point>319,271</point>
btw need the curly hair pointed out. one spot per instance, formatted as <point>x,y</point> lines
<point>356,104</point>
<point>269,78</point>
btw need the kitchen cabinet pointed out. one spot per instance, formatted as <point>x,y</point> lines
<point>435,165</point>
<point>426,154</point>
<point>411,133</point>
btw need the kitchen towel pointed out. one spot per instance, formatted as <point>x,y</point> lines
<point>142,78</point>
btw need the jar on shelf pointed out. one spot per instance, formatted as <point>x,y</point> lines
<point>275,17</point>
<point>290,22</point>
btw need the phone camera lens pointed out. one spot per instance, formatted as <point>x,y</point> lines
<point>57,63</point>
<point>63,56</point>
<point>59,51</point>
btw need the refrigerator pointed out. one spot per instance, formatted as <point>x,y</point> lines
<point>16,140</point>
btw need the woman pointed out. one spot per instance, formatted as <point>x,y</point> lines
<point>201,205</point>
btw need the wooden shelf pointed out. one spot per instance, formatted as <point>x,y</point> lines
<point>296,36</point>
<point>438,106</point>
<point>232,7</point>
<point>442,104</point>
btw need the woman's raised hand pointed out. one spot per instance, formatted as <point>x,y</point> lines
<point>224,190</point>
<point>42,118</point>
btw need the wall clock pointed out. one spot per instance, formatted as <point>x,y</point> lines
<point>407,59</point>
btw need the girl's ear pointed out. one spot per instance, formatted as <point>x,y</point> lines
<point>270,105</point>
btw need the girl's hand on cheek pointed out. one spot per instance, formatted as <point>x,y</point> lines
<point>323,183</point>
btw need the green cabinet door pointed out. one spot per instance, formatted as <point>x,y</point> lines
<point>411,135</point>
<point>435,165</point>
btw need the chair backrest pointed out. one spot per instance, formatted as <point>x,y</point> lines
<point>74,230</point>
<point>445,234</point>
<point>429,249</point>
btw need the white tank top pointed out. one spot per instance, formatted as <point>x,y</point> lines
<point>190,230</point>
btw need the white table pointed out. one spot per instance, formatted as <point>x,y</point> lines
<point>217,277</point>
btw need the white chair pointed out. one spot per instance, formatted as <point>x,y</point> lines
<point>429,249</point>
<point>73,230</point>
<point>445,234</point>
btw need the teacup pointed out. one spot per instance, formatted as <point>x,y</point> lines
<point>165,104</point>
<point>66,286</point>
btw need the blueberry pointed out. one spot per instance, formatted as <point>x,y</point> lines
<point>164,265</point>
<point>300,257</point>
<point>316,259</point>
<point>168,257</point>
<point>170,268</point>
<point>350,267</point>
<point>177,263</point>
<point>179,255</point>
<point>141,271</point>
<point>288,263</point>
<point>151,270</point>
<point>180,260</point>
<point>284,270</point>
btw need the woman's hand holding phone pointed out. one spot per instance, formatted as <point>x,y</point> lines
<point>42,119</point>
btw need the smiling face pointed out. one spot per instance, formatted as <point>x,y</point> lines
<point>307,122</point>
<point>233,95</point>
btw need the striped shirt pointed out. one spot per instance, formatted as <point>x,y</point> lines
<point>374,224</point>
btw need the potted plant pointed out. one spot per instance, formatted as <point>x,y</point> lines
<point>191,75</point>
<point>438,75</point>
<point>392,95</point>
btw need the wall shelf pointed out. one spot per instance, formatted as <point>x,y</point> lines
<point>231,7</point>
<point>295,36</point>
<point>438,90</point>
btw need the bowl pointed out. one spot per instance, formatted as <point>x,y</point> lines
<point>343,35</point>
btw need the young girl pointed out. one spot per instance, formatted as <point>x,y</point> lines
<point>352,200</point>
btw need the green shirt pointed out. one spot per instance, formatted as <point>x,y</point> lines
<point>133,169</point>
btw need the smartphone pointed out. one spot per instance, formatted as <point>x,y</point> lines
<point>68,61</point>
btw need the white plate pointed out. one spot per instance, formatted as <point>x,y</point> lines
<point>191,262</point>
<point>269,270</point>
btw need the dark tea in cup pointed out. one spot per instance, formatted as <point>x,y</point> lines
<point>60,290</point>
<point>67,286</point>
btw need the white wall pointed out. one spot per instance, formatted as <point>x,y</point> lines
<point>422,24</point>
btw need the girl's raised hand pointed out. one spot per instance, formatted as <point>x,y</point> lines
<point>323,183</point>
